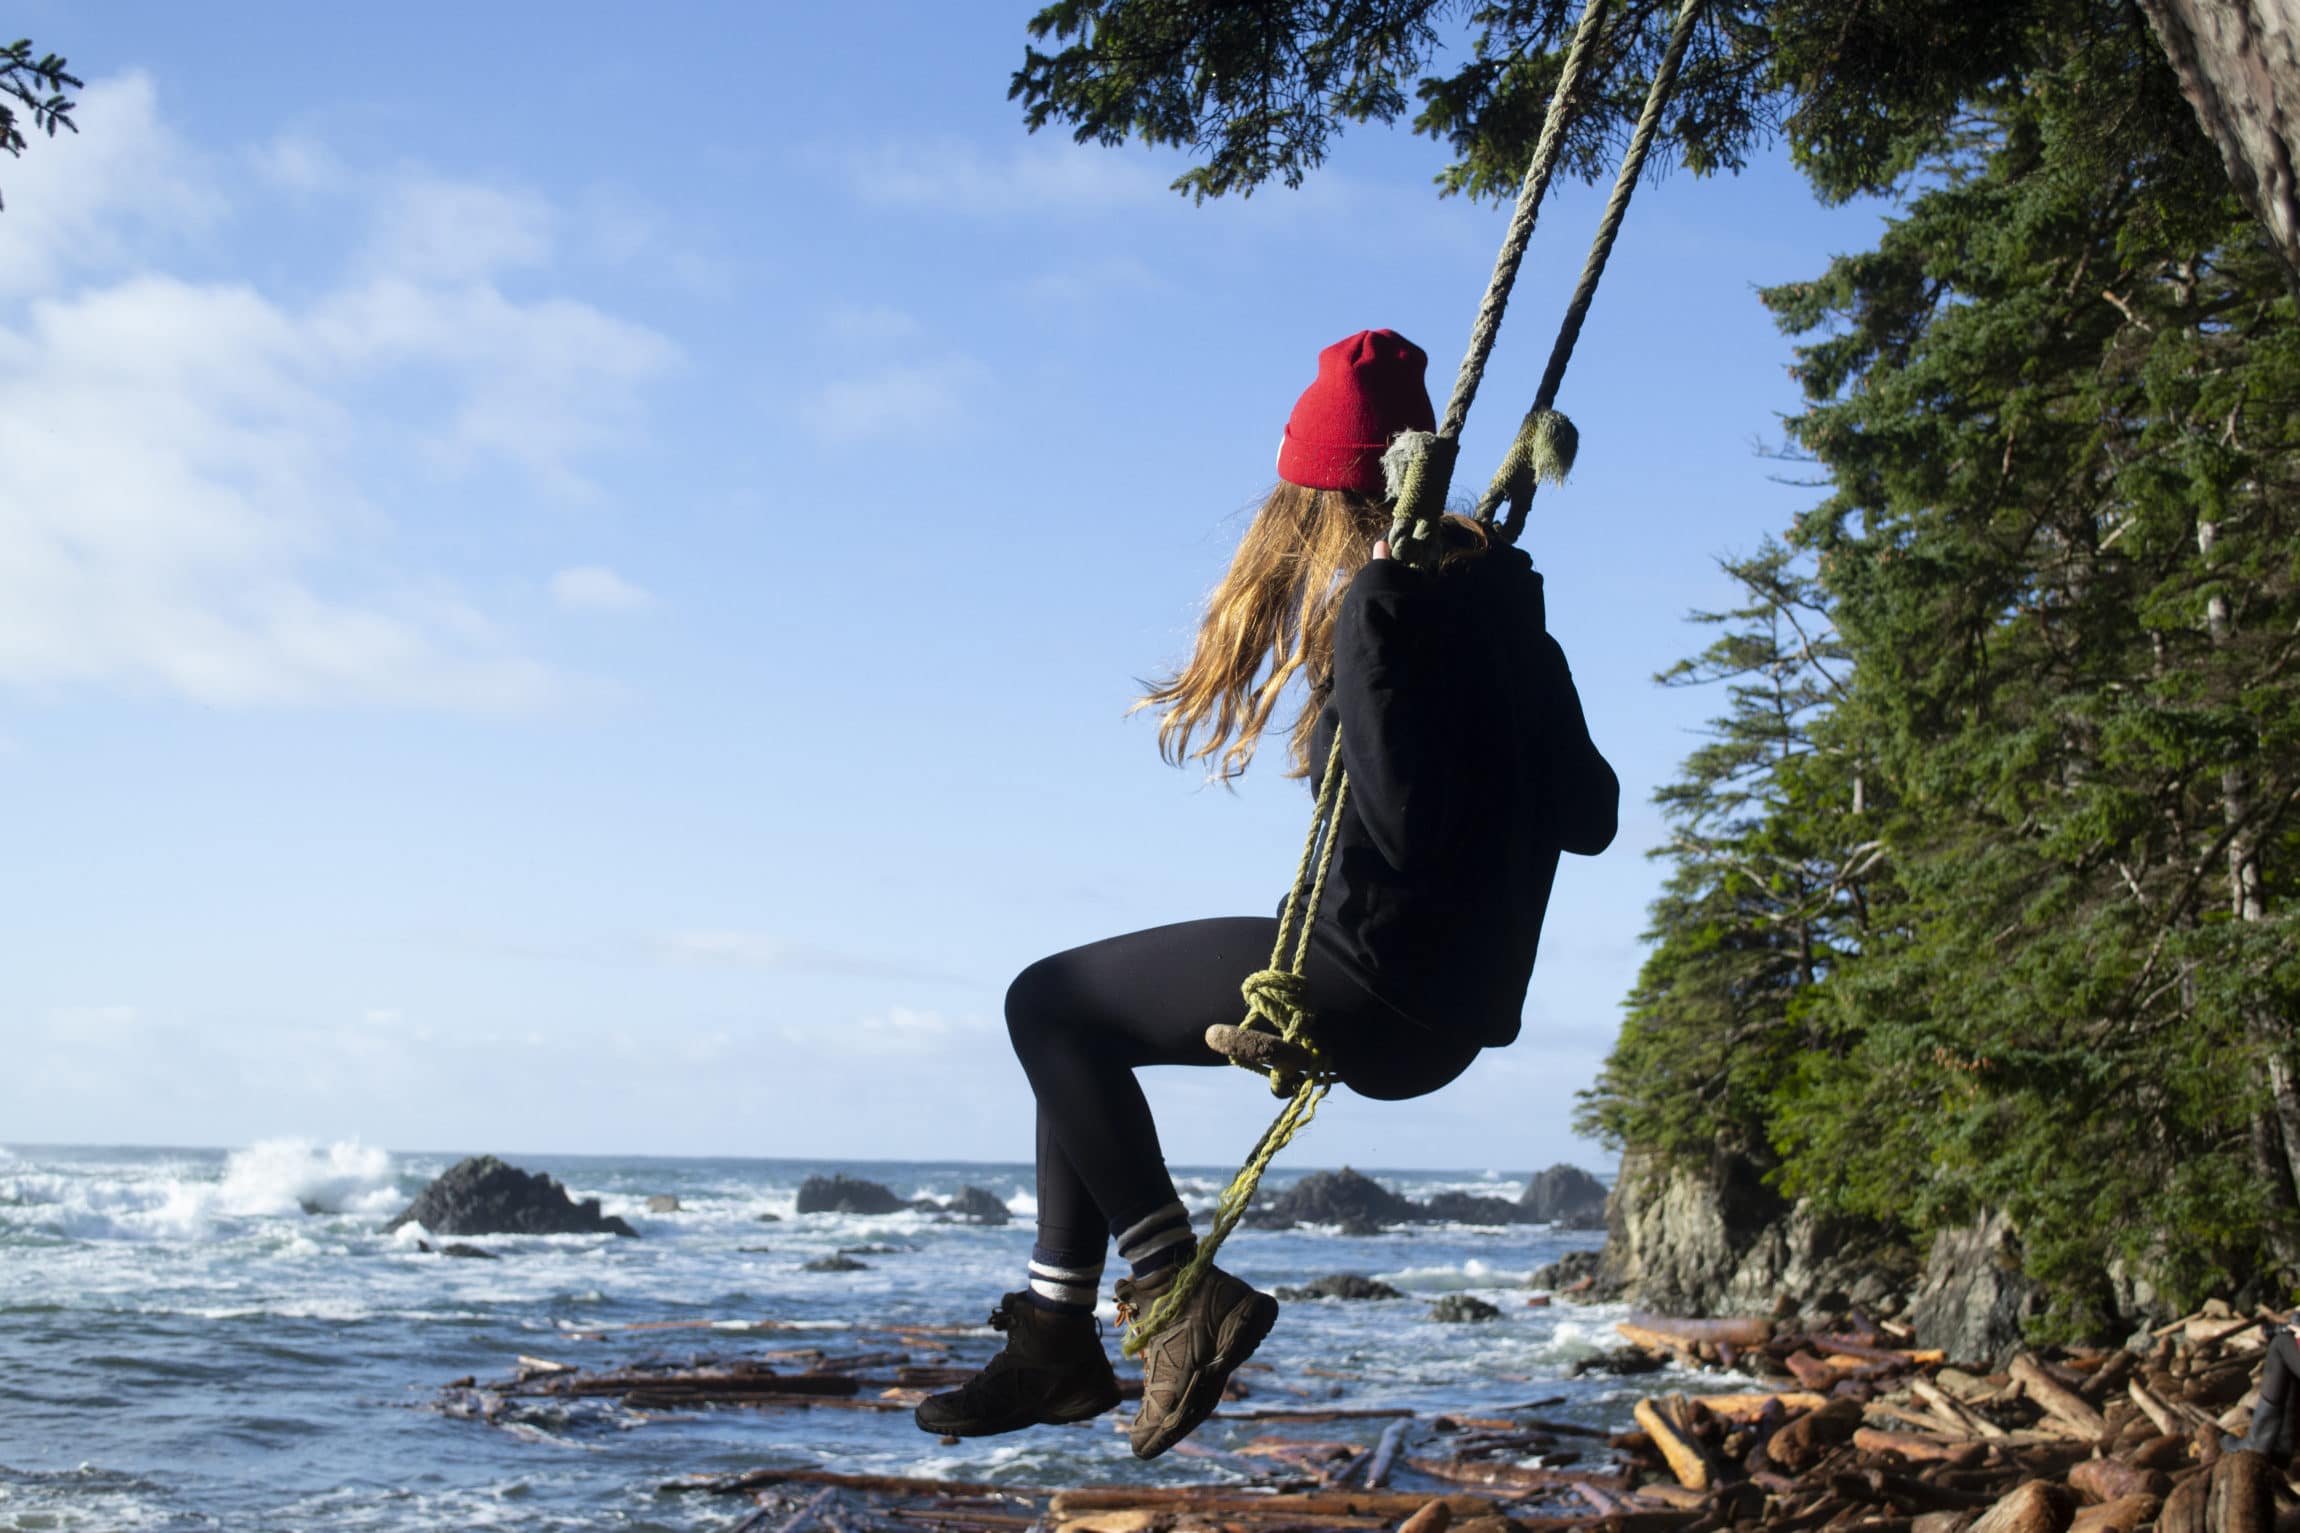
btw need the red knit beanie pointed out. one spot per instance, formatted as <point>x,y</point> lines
<point>1369,389</point>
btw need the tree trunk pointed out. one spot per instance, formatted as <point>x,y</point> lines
<point>2239,65</point>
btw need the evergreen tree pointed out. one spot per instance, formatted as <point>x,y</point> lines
<point>1770,888</point>
<point>2056,402</point>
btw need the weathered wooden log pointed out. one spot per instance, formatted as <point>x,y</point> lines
<point>2108,1479</point>
<point>2063,1403</point>
<point>1949,1408</point>
<point>1669,1421</point>
<point>1223,1500</point>
<point>1941,1522</point>
<point>1802,1443</point>
<point>2033,1506</point>
<point>1812,1372</point>
<point>2187,1509</point>
<point>1848,1346</point>
<point>1658,1341</point>
<point>1435,1517</point>
<point>891,1484</point>
<point>1744,1406</point>
<point>1918,1449</point>
<point>2167,1452</point>
<point>1516,1476</point>
<point>2125,1514</point>
<point>1880,1412</point>
<point>1736,1332</point>
<point>1386,1452</point>
<point>2243,1493</point>
<point>2167,1417</point>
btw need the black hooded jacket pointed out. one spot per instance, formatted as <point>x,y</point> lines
<point>1470,769</point>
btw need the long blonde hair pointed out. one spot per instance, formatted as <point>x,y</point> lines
<point>1272,619</point>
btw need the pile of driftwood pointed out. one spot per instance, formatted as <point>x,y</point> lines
<point>1879,1435</point>
<point>1851,1428</point>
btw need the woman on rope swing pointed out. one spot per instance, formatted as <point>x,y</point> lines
<point>1470,769</point>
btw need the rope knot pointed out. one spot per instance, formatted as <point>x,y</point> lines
<point>1544,448</point>
<point>1277,1001</point>
<point>1417,471</point>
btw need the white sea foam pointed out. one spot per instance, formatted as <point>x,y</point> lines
<point>274,1178</point>
<point>1473,1273</point>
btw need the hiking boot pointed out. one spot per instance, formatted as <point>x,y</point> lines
<point>1051,1370</point>
<point>1185,1366</point>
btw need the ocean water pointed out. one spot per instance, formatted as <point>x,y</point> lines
<point>195,1339</point>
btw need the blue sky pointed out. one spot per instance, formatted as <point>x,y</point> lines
<point>572,582</point>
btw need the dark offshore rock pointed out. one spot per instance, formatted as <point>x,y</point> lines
<point>835,1264</point>
<point>980,1206</point>
<point>483,1196</point>
<point>1973,1297</point>
<point>1340,1197</point>
<point>1567,1272</point>
<point>1621,1360</point>
<point>1340,1285</point>
<point>1564,1195</point>
<point>1461,1308</point>
<point>843,1194</point>
<point>1469,1208</point>
<point>457,1248</point>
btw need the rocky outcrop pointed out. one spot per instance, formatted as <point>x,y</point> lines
<point>1715,1240</point>
<point>1361,1205</point>
<point>836,1263</point>
<point>1340,1285</point>
<point>973,1203</point>
<point>1463,1308</point>
<point>1565,1195</point>
<point>1573,1272</point>
<point>1973,1298</point>
<point>843,1194</point>
<point>1469,1208</point>
<point>484,1196</point>
<point>1341,1197</point>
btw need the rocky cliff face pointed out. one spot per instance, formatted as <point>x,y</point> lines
<point>1715,1240</point>
<point>1972,1299</point>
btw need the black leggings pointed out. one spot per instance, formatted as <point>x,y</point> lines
<point>1083,1021</point>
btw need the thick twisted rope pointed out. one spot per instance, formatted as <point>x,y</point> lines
<point>1422,500</point>
<point>1517,481</point>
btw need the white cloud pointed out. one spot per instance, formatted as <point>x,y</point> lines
<point>82,202</point>
<point>897,1030</point>
<point>1042,175</point>
<point>903,399</point>
<point>181,502</point>
<point>766,951</point>
<point>439,228</point>
<point>595,588</point>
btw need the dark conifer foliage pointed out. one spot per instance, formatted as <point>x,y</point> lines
<point>34,83</point>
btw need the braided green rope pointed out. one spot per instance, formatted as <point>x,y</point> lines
<point>1518,487</point>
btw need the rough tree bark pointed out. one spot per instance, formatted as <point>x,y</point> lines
<point>2239,65</point>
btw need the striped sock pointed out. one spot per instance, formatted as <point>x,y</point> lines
<point>1156,1241</point>
<point>1064,1281</point>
